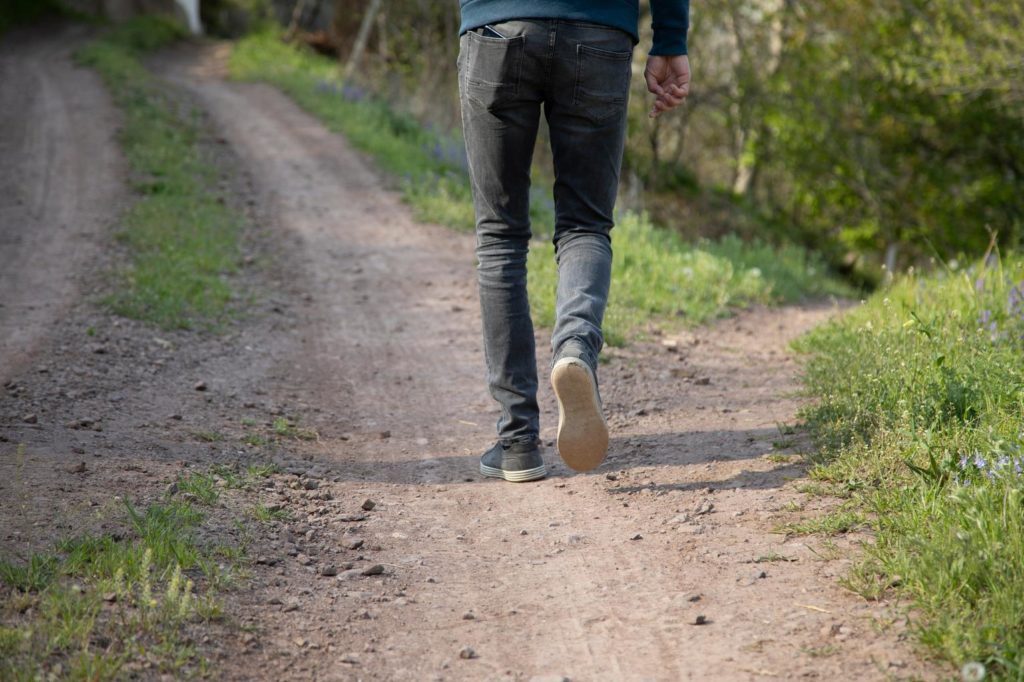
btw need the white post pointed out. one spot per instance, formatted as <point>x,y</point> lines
<point>191,9</point>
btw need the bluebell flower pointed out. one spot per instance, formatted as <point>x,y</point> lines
<point>979,461</point>
<point>964,461</point>
<point>979,284</point>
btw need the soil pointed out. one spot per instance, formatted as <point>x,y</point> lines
<point>664,564</point>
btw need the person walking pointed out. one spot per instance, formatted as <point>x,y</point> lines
<point>571,59</point>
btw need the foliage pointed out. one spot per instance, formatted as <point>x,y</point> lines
<point>14,12</point>
<point>182,237</point>
<point>656,272</point>
<point>882,129</point>
<point>100,606</point>
<point>920,393</point>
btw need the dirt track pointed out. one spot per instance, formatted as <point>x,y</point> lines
<point>366,330</point>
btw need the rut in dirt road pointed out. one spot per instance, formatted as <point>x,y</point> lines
<point>60,184</point>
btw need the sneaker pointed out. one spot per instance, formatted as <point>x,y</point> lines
<point>517,462</point>
<point>582,431</point>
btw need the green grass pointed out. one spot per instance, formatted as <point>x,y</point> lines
<point>265,514</point>
<point>99,606</point>
<point>920,394</point>
<point>182,238</point>
<point>656,273</point>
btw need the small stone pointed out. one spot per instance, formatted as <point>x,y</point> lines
<point>702,381</point>
<point>77,468</point>
<point>523,532</point>
<point>266,560</point>
<point>351,574</point>
<point>199,386</point>
<point>611,476</point>
<point>376,569</point>
<point>368,505</point>
<point>110,597</point>
<point>468,615</point>
<point>330,570</point>
<point>761,575</point>
<point>694,598</point>
<point>351,518</point>
<point>310,484</point>
<point>300,642</point>
<point>384,435</point>
<point>351,659</point>
<point>467,652</point>
<point>30,419</point>
<point>637,537</point>
<point>700,620</point>
<point>352,543</point>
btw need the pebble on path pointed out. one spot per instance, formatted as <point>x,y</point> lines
<point>468,652</point>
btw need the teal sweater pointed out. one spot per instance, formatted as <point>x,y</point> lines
<point>671,18</point>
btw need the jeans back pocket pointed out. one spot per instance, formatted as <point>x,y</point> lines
<point>602,81</point>
<point>492,68</point>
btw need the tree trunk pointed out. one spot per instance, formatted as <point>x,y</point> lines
<point>361,39</point>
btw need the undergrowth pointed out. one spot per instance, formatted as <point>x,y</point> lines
<point>182,237</point>
<point>116,604</point>
<point>656,274</point>
<point>920,395</point>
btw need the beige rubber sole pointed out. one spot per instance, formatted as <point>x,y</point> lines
<point>582,431</point>
<point>523,476</point>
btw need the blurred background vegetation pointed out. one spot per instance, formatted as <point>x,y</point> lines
<point>877,133</point>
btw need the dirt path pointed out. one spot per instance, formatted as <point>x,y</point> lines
<point>59,184</point>
<point>369,335</point>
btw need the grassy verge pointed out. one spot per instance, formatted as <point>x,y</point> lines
<point>182,238</point>
<point>126,603</point>
<point>920,396</point>
<point>656,273</point>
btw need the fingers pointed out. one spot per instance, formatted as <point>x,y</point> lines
<point>653,86</point>
<point>669,99</point>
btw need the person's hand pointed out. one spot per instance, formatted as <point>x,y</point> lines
<point>668,79</point>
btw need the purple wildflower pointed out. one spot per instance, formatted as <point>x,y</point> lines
<point>979,461</point>
<point>964,461</point>
<point>979,284</point>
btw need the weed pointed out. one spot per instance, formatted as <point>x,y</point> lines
<point>833,523</point>
<point>772,557</point>
<point>919,396</point>
<point>182,240</point>
<point>265,514</point>
<point>203,487</point>
<point>34,576</point>
<point>209,436</point>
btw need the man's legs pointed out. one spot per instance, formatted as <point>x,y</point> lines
<point>586,114</point>
<point>500,120</point>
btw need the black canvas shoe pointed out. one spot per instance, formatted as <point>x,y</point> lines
<point>582,430</point>
<point>517,462</point>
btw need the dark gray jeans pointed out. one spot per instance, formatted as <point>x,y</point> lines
<point>579,74</point>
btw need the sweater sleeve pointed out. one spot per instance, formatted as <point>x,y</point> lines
<point>670,20</point>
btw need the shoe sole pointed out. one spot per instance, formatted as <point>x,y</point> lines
<point>582,430</point>
<point>521,476</point>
